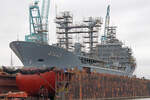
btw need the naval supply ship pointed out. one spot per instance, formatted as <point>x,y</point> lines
<point>109,56</point>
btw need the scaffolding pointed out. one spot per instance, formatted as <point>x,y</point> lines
<point>66,29</point>
<point>62,84</point>
<point>93,27</point>
<point>64,21</point>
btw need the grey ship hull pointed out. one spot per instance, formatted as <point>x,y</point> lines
<point>34,54</point>
<point>39,55</point>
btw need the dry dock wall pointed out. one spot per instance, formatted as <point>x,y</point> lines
<point>83,86</point>
<point>79,85</point>
<point>7,83</point>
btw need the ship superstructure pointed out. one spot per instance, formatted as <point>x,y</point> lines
<point>112,51</point>
<point>109,56</point>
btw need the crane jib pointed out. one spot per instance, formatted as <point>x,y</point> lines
<point>38,22</point>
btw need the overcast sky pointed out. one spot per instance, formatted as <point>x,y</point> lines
<point>132,18</point>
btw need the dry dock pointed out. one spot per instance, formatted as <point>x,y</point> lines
<point>95,86</point>
<point>82,85</point>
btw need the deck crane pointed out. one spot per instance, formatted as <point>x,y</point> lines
<point>38,22</point>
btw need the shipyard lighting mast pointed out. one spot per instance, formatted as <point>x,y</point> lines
<point>38,22</point>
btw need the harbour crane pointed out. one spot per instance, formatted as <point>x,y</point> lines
<point>107,21</point>
<point>38,22</point>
